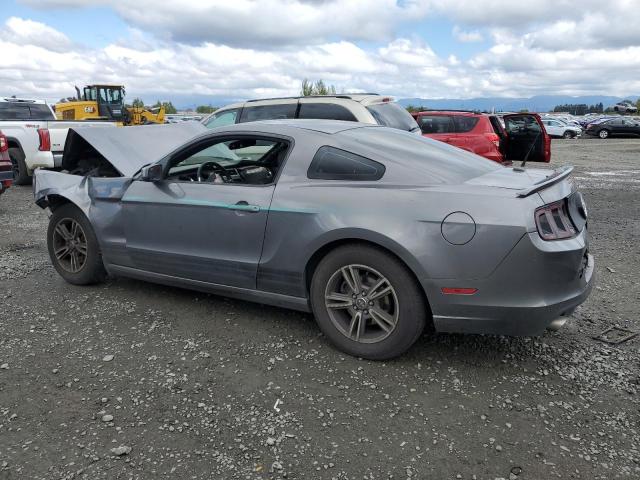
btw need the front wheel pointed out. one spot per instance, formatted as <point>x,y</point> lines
<point>603,133</point>
<point>367,302</point>
<point>568,134</point>
<point>73,247</point>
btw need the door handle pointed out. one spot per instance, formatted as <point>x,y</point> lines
<point>245,207</point>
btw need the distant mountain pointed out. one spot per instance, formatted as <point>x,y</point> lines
<point>538,103</point>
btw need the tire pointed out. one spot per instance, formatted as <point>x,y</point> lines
<point>568,134</point>
<point>89,267</point>
<point>404,303</point>
<point>603,133</point>
<point>20,173</point>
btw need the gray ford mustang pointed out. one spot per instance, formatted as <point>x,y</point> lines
<point>378,232</point>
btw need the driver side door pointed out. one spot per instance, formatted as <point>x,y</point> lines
<point>197,230</point>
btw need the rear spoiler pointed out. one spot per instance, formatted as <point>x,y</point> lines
<point>557,176</point>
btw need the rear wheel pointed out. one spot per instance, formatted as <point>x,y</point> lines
<point>568,134</point>
<point>603,133</point>
<point>20,172</point>
<point>367,302</point>
<point>73,247</point>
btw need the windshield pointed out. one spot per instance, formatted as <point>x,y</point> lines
<point>112,96</point>
<point>392,115</point>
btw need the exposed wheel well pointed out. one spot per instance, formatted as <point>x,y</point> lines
<point>317,257</point>
<point>13,143</point>
<point>55,201</point>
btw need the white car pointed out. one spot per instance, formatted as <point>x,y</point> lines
<point>36,138</point>
<point>559,129</point>
<point>363,107</point>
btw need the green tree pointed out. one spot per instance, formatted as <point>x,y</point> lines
<point>317,88</point>
<point>205,109</point>
<point>137,102</point>
<point>168,107</point>
<point>414,109</point>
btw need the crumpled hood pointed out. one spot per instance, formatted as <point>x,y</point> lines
<point>128,148</point>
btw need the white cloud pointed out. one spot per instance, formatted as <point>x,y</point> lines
<point>466,36</point>
<point>28,32</point>
<point>245,49</point>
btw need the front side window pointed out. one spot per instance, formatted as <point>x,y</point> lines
<point>268,112</point>
<point>228,117</point>
<point>327,111</point>
<point>331,163</point>
<point>240,160</point>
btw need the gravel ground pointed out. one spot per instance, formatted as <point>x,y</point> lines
<point>132,380</point>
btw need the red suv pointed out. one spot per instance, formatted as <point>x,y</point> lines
<point>503,139</point>
<point>6,170</point>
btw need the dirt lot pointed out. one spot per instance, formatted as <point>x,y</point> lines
<point>186,383</point>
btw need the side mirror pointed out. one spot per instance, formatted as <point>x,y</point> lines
<point>152,173</point>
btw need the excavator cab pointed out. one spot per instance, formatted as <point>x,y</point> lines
<point>110,100</point>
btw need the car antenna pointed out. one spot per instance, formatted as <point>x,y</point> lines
<point>526,157</point>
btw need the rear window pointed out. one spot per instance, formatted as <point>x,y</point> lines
<point>331,163</point>
<point>392,115</point>
<point>326,111</point>
<point>40,112</point>
<point>268,112</point>
<point>25,111</point>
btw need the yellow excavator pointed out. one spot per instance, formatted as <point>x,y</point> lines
<point>106,102</point>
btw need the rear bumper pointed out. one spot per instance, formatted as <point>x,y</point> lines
<point>6,178</point>
<point>529,290</point>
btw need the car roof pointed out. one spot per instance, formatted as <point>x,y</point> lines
<point>465,113</point>
<point>21,100</point>
<point>363,98</point>
<point>329,127</point>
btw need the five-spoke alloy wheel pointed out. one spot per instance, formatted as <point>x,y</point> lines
<point>367,302</point>
<point>73,247</point>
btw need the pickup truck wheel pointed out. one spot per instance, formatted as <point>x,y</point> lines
<point>73,247</point>
<point>20,172</point>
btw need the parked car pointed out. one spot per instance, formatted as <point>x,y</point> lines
<point>614,126</point>
<point>377,231</point>
<point>365,108</point>
<point>6,170</point>
<point>625,107</point>
<point>522,136</point>
<point>559,129</point>
<point>36,138</point>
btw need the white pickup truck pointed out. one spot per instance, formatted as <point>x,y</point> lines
<point>36,139</point>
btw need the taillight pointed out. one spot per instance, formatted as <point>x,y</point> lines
<point>493,138</point>
<point>4,144</point>
<point>553,221</point>
<point>45,140</point>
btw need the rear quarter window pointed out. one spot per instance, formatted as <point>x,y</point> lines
<point>436,124</point>
<point>268,112</point>
<point>465,124</point>
<point>325,111</point>
<point>331,163</point>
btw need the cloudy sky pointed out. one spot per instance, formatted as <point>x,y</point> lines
<point>238,49</point>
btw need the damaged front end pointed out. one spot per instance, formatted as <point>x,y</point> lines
<point>99,163</point>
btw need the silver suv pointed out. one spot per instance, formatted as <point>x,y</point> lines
<point>365,108</point>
